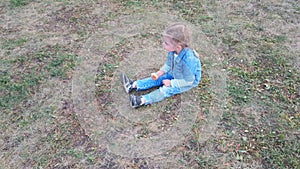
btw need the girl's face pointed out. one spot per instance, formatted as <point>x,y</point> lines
<point>168,44</point>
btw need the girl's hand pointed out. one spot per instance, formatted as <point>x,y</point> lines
<point>154,76</point>
<point>167,82</point>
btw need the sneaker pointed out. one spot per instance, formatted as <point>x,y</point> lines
<point>135,101</point>
<point>127,83</point>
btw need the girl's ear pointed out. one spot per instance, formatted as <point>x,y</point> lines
<point>179,48</point>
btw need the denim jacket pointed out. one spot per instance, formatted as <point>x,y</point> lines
<point>185,68</point>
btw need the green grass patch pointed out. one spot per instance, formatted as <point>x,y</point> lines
<point>270,82</point>
<point>16,88</point>
<point>10,44</point>
<point>61,64</point>
<point>192,11</point>
<point>27,72</point>
<point>18,3</point>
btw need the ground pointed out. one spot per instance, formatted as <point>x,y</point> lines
<point>63,106</point>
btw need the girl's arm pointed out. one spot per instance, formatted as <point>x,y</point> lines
<point>160,73</point>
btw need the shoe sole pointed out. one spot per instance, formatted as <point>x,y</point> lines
<point>132,99</point>
<point>125,82</point>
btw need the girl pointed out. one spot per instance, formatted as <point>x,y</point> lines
<point>180,73</point>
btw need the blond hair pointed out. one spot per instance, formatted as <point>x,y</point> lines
<point>179,33</point>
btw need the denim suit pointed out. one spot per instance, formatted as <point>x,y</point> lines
<point>183,70</point>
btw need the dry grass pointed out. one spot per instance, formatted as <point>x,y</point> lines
<point>54,53</point>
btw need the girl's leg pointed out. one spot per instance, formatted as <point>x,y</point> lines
<point>160,94</point>
<point>148,83</point>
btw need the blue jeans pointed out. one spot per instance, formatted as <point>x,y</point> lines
<point>159,94</point>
